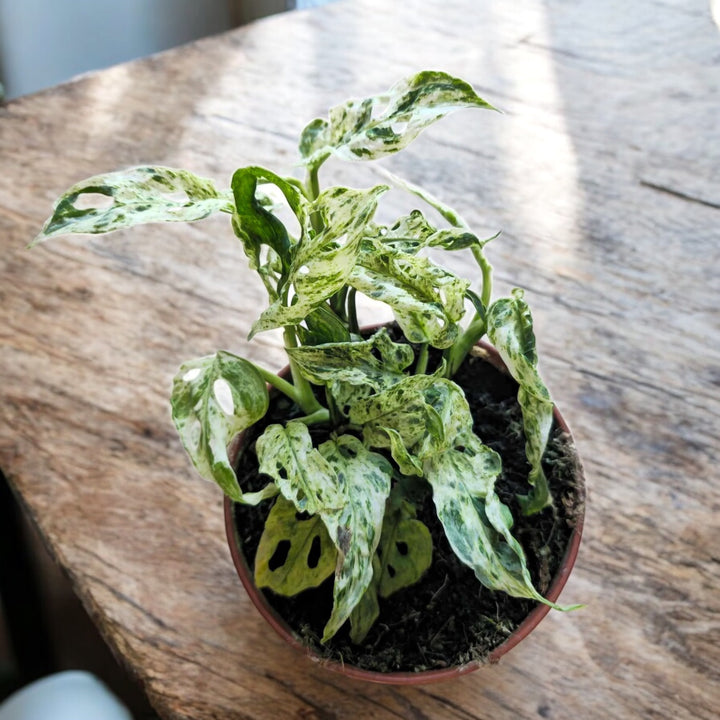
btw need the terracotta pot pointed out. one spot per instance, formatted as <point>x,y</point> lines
<point>410,678</point>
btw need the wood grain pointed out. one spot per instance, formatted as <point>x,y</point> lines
<point>603,173</point>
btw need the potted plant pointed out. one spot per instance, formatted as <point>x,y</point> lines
<point>391,478</point>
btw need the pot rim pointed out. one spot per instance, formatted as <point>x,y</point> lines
<point>531,621</point>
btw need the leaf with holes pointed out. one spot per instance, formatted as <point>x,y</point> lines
<point>213,399</point>
<point>295,553</point>
<point>302,474</point>
<point>356,527</point>
<point>510,329</point>
<point>405,549</point>
<point>383,124</point>
<point>133,197</point>
<point>322,262</point>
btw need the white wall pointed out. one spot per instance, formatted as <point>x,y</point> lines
<point>43,42</point>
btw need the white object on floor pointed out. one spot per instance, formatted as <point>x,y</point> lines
<point>70,695</point>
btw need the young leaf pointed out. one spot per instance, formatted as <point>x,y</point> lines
<point>355,528</point>
<point>428,300</point>
<point>256,226</point>
<point>322,261</point>
<point>140,195</point>
<point>301,473</point>
<point>323,326</point>
<point>294,553</point>
<point>510,329</point>
<point>377,362</point>
<point>213,399</point>
<point>383,124</point>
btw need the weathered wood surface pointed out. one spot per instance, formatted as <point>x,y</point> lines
<point>604,173</point>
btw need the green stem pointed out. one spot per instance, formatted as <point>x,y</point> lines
<point>277,382</point>
<point>486,269</point>
<point>305,397</point>
<point>321,416</point>
<point>422,361</point>
<point>352,311</point>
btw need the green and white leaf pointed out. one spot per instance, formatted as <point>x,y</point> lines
<point>104,203</point>
<point>377,362</point>
<point>367,611</point>
<point>306,537</point>
<point>323,326</point>
<point>301,473</point>
<point>383,124</point>
<point>213,399</point>
<point>477,525</point>
<point>323,261</point>
<point>510,329</point>
<point>356,528</point>
<point>428,300</point>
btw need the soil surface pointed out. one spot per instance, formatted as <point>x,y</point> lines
<point>448,618</point>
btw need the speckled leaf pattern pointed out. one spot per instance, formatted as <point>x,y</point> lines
<point>302,474</point>
<point>383,124</point>
<point>322,261</point>
<point>463,480</point>
<point>377,362</point>
<point>104,203</point>
<point>356,528</point>
<point>309,558</point>
<point>367,611</point>
<point>428,300</point>
<point>510,329</point>
<point>401,407</point>
<point>213,399</point>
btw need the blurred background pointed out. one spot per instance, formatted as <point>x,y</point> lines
<point>44,42</point>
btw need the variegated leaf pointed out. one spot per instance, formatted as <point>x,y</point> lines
<point>356,528</point>
<point>295,553</point>
<point>428,300</point>
<point>323,261</point>
<point>462,480</point>
<point>322,326</point>
<point>213,399</point>
<point>510,329</point>
<point>301,473</point>
<point>377,362</point>
<point>367,611</point>
<point>401,407</point>
<point>383,124</point>
<point>104,203</point>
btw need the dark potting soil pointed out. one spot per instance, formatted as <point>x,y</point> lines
<point>448,618</point>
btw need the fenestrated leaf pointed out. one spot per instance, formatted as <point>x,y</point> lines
<point>322,261</point>
<point>428,300</point>
<point>356,528</point>
<point>104,203</point>
<point>302,474</point>
<point>377,362</point>
<point>213,399</point>
<point>295,553</point>
<point>383,124</point>
<point>477,525</point>
<point>510,329</point>
<point>405,549</point>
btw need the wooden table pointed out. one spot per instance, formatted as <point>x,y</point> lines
<point>604,174</point>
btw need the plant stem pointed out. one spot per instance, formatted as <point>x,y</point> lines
<point>318,417</point>
<point>277,382</point>
<point>422,361</point>
<point>352,311</point>
<point>304,394</point>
